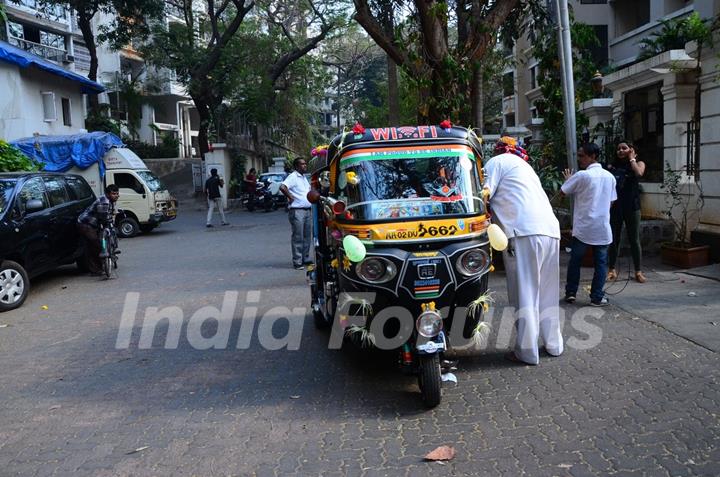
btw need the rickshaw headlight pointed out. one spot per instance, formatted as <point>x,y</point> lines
<point>473,262</point>
<point>429,324</point>
<point>376,270</point>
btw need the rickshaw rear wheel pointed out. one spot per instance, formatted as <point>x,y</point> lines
<point>429,379</point>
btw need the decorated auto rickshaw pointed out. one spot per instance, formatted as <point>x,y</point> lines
<point>401,248</point>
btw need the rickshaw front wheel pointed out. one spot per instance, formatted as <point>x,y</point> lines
<point>319,318</point>
<point>429,379</point>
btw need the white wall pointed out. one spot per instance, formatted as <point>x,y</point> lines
<point>21,107</point>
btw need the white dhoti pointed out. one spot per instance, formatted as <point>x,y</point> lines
<point>533,281</point>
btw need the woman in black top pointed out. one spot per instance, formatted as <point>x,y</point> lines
<point>626,209</point>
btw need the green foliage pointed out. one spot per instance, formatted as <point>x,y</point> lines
<point>98,119</point>
<point>550,174</point>
<point>679,206</point>
<point>674,34</point>
<point>168,147</point>
<point>550,81</point>
<point>12,160</point>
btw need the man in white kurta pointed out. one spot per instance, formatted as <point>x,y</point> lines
<point>532,262</point>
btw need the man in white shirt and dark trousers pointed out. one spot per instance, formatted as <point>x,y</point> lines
<point>532,261</point>
<point>593,190</point>
<point>295,187</point>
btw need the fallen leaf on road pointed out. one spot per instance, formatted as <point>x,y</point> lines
<point>441,453</point>
<point>296,396</point>
<point>52,408</point>
<point>242,274</point>
<point>692,294</point>
<point>4,326</point>
<point>44,307</point>
<point>676,355</point>
<point>714,323</point>
<point>565,466</point>
<point>139,449</point>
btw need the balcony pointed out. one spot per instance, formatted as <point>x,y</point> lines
<point>58,55</point>
<point>625,48</point>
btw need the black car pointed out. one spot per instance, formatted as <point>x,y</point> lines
<point>38,216</point>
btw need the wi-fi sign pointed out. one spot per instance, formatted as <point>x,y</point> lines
<point>407,131</point>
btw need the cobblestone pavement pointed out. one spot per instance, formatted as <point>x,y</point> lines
<point>642,402</point>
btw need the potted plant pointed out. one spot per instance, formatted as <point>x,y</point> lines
<point>680,209</point>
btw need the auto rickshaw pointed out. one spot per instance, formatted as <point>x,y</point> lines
<point>400,230</point>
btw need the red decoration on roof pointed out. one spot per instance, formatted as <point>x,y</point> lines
<point>446,124</point>
<point>358,129</point>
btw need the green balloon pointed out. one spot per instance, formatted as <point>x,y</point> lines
<point>354,248</point>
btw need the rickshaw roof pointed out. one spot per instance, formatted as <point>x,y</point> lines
<point>395,136</point>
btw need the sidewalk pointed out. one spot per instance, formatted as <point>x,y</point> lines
<point>685,302</point>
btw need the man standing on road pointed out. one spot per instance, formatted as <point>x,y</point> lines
<point>99,212</point>
<point>295,187</point>
<point>532,261</point>
<point>594,191</point>
<point>212,191</point>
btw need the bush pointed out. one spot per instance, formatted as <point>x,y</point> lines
<point>167,149</point>
<point>12,160</point>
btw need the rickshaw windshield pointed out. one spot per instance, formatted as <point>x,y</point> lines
<point>410,183</point>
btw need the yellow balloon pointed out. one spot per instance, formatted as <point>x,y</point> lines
<point>498,239</point>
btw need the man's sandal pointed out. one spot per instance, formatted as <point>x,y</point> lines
<point>612,274</point>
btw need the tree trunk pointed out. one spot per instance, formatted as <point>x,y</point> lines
<point>203,109</point>
<point>393,95</point>
<point>84,22</point>
<point>477,98</point>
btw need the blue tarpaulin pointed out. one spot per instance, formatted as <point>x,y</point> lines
<point>24,59</point>
<point>60,153</point>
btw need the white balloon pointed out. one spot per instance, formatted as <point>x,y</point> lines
<point>498,239</point>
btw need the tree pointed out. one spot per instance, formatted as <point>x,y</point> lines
<point>206,53</point>
<point>441,47</point>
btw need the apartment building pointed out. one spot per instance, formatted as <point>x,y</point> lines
<point>52,33</point>
<point>650,102</point>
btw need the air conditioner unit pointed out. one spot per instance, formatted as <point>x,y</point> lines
<point>68,58</point>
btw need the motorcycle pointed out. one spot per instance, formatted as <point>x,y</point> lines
<point>262,198</point>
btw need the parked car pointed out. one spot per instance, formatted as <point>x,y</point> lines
<point>38,216</point>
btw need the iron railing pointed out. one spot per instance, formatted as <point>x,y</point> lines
<point>692,165</point>
<point>51,53</point>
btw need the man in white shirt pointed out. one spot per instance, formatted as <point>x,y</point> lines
<point>532,261</point>
<point>594,191</point>
<point>295,187</point>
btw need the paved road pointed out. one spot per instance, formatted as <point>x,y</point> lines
<point>642,402</point>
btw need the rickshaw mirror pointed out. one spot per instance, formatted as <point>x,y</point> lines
<point>325,179</point>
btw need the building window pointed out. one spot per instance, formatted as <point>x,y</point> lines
<point>67,116</point>
<point>534,77</point>
<point>48,104</point>
<point>644,123</point>
<point>508,84</point>
<point>599,53</point>
<point>510,120</point>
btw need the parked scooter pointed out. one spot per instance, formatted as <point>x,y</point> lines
<point>262,198</point>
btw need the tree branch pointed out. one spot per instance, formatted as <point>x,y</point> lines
<point>482,34</point>
<point>366,19</point>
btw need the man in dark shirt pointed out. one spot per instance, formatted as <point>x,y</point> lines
<point>101,212</point>
<point>212,190</point>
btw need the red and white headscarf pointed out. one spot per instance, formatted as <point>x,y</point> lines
<point>507,144</point>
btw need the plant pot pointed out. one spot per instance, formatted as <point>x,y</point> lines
<point>685,257</point>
